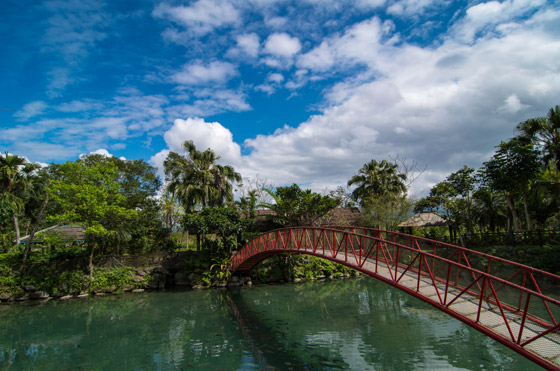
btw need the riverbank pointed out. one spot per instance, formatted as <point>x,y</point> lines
<point>66,278</point>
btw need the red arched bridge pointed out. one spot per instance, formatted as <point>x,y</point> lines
<point>515,304</point>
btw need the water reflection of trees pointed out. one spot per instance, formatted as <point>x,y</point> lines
<point>359,324</point>
<point>160,330</point>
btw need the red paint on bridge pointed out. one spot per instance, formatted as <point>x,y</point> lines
<point>515,304</point>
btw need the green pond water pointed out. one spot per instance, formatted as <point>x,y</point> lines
<point>354,324</point>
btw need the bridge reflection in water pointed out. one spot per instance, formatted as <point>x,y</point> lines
<point>517,305</point>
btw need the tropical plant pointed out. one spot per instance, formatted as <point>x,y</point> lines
<point>544,132</point>
<point>197,180</point>
<point>377,179</point>
<point>294,206</point>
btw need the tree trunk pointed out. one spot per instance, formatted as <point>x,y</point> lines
<point>91,263</point>
<point>34,228</point>
<point>16,228</point>
<point>513,213</point>
<point>526,209</point>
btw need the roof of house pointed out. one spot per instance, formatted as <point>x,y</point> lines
<point>341,216</point>
<point>425,220</point>
<point>69,232</point>
<point>338,216</point>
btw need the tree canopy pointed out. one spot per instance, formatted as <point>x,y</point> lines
<point>294,206</point>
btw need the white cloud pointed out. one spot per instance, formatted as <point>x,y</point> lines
<point>443,106</point>
<point>202,16</point>
<point>282,45</point>
<point>486,17</point>
<point>249,44</point>
<point>360,44</point>
<point>198,73</point>
<point>30,110</point>
<point>204,135</point>
<point>276,77</point>
<point>512,104</point>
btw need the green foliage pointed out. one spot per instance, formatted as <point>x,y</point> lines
<point>224,222</point>
<point>294,206</point>
<point>197,180</point>
<point>377,179</point>
<point>108,278</point>
<point>297,266</point>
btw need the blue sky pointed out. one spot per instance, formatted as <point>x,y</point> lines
<point>290,91</point>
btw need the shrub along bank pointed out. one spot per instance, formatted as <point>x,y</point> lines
<point>65,274</point>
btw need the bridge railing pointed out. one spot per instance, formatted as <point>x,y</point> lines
<point>465,283</point>
<point>523,275</point>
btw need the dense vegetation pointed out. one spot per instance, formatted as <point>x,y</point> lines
<point>517,189</point>
<point>124,208</point>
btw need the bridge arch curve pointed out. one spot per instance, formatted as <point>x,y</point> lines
<point>510,302</point>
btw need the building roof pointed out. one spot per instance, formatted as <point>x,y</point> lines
<point>338,216</point>
<point>425,220</point>
<point>69,232</point>
<point>341,216</point>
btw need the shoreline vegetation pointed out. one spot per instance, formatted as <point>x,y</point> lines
<point>197,271</point>
<point>152,272</point>
<point>91,226</point>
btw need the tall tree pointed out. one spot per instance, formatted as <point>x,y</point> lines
<point>90,195</point>
<point>489,209</point>
<point>381,192</point>
<point>197,180</point>
<point>514,165</point>
<point>545,134</point>
<point>294,206</point>
<point>464,183</point>
<point>377,179</point>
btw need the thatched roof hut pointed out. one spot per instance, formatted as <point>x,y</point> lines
<point>425,220</point>
<point>68,232</point>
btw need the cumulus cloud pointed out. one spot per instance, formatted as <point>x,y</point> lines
<point>198,73</point>
<point>202,16</point>
<point>248,45</point>
<point>282,45</point>
<point>204,135</point>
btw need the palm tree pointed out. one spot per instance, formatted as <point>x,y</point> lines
<point>197,180</point>
<point>545,133</point>
<point>376,179</point>
<point>489,209</point>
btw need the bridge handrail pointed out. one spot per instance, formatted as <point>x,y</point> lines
<point>444,244</point>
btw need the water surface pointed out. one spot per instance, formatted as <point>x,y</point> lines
<point>355,324</point>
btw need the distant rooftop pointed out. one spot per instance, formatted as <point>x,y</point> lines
<point>425,220</point>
